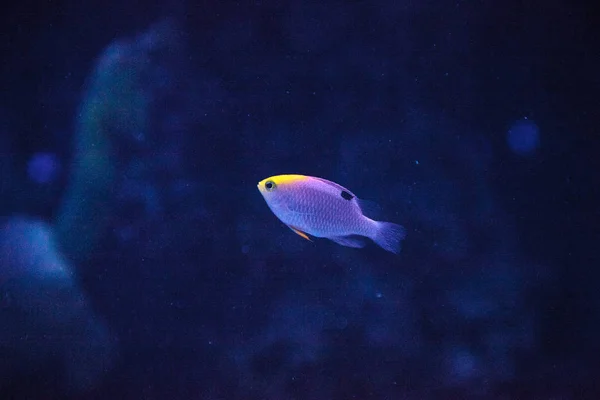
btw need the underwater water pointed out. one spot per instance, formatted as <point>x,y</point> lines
<point>139,260</point>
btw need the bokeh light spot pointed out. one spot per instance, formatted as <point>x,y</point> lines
<point>523,137</point>
<point>43,168</point>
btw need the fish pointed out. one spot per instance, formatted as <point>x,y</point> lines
<point>317,207</point>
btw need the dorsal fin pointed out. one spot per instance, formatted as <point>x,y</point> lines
<point>339,187</point>
<point>346,195</point>
<point>368,208</point>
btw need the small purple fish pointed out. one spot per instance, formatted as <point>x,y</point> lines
<point>321,208</point>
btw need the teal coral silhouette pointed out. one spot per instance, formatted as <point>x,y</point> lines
<point>114,105</point>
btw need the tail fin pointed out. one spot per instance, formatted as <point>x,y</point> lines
<point>389,236</point>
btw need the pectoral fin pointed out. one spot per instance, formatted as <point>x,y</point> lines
<point>299,232</point>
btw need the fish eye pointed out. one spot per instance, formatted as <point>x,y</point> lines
<point>270,185</point>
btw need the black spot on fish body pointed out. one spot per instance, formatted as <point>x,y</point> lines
<point>347,195</point>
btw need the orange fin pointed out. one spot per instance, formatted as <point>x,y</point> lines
<point>299,232</point>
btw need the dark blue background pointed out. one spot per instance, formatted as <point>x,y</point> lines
<point>407,104</point>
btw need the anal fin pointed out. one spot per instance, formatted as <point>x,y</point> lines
<point>355,241</point>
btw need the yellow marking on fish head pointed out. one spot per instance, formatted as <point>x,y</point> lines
<point>271,183</point>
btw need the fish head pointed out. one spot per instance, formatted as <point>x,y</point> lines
<point>280,190</point>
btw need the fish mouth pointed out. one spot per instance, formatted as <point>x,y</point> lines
<point>261,185</point>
